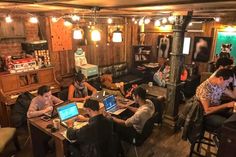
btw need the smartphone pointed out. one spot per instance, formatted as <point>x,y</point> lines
<point>45,118</point>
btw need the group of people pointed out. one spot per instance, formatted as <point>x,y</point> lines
<point>104,131</point>
<point>162,76</point>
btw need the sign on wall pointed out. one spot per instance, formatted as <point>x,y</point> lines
<point>226,38</point>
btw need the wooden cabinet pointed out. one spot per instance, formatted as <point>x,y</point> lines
<point>12,85</point>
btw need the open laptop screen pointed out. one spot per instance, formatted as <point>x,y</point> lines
<point>109,102</point>
<point>68,111</point>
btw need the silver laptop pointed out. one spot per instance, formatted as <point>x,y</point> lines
<point>110,105</point>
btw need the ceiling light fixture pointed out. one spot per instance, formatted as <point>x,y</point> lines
<point>157,23</point>
<point>217,19</point>
<point>164,20</point>
<point>171,19</point>
<point>109,20</point>
<point>117,36</point>
<point>8,19</point>
<point>147,21</point>
<point>33,20</point>
<point>67,23</point>
<point>141,22</point>
<point>78,33</point>
<point>95,34</point>
<point>54,19</point>
<point>75,18</point>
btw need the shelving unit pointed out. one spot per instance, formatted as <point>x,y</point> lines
<point>141,55</point>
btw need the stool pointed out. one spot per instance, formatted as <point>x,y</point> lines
<point>7,135</point>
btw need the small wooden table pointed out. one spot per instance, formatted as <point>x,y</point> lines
<point>155,91</point>
<point>38,129</point>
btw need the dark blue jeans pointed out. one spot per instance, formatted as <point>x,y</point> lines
<point>215,120</point>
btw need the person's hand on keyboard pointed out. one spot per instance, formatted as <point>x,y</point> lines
<point>121,106</point>
<point>81,118</point>
<point>70,123</point>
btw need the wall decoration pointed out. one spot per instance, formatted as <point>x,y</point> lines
<point>224,41</point>
<point>186,46</point>
<point>111,29</point>
<point>202,49</point>
<point>164,45</point>
<point>61,36</point>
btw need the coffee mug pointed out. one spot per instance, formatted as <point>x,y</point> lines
<point>150,84</point>
<point>56,123</point>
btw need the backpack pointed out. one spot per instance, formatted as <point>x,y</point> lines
<point>19,110</point>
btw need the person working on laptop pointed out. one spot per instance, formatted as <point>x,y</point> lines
<point>78,90</point>
<point>43,103</point>
<point>97,135</point>
<point>133,126</point>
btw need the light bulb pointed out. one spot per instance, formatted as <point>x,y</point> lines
<point>54,19</point>
<point>133,19</point>
<point>157,23</point>
<point>140,22</point>
<point>67,23</point>
<point>75,18</point>
<point>171,19</point>
<point>95,35</point>
<point>217,19</point>
<point>135,22</point>
<point>109,21</point>
<point>8,19</point>
<point>164,20</point>
<point>147,21</point>
<point>190,24</point>
<point>33,20</point>
<point>78,34</point>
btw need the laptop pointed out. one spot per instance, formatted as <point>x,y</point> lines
<point>53,113</point>
<point>110,105</point>
<point>69,111</point>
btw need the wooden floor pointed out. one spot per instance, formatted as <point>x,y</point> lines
<point>162,143</point>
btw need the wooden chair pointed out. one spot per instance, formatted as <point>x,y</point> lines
<point>8,135</point>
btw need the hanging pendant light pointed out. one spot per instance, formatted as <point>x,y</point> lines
<point>95,34</point>
<point>78,33</point>
<point>117,36</point>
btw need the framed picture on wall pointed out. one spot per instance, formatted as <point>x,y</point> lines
<point>202,49</point>
<point>226,43</point>
<point>164,45</point>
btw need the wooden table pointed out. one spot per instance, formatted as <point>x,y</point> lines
<point>38,129</point>
<point>155,91</point>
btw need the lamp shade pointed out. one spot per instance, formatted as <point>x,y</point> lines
<point>95,35</point>
<point>117,36</point>
<point>78,34</point>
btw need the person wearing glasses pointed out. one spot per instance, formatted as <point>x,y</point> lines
<point>78,90</point>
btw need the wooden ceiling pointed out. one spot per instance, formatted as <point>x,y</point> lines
<point>122,8</point>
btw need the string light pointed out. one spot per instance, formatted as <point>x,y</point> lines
<point>217,19</point>
<point>33,20</point>
<point>54,19</point>
<point>75,18</point>
<point>164,20</point>
<point>8,19</point>
<point>109,20</point>
<point>67,23</point>
<point>141,21</point>
<point>157,23</point>
<point>147,21</point>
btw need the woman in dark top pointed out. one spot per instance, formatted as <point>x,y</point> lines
<point>78,90</point>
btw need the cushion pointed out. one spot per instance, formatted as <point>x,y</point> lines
<point>6,134</point>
